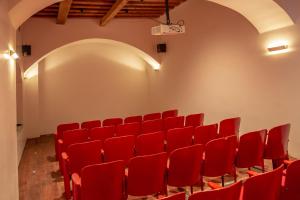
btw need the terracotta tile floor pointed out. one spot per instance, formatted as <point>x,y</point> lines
<point>40,180</point>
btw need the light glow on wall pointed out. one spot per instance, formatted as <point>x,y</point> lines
<point>278,47</point>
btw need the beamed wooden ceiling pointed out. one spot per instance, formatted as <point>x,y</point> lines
<point>106,10</point>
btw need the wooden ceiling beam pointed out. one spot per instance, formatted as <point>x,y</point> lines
<point>118,5</point>
<point>63,11</point>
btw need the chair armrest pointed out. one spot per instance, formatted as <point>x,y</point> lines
<point>214,185</point>
<point>60,141</point>
<point>76,183</point>
<point>65,156</point>
<point>252,173</point>
<point>76,179</point>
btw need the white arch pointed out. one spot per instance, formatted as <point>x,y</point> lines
<point>33,69</point>
<point>265,15</point>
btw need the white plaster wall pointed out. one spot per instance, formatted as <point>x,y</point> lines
<point>8,135</point>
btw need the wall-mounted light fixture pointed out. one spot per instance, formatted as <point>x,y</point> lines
<point>278,47</point>
<point>10,54</point>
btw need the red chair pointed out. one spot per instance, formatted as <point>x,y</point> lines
<point>194,120</point>
<point>102,133</point>
<point>215,164</point>
<point>291,187</point>
<point>266,186</point>
<point>185,166</point>
<point>179,137</point>
<point>276,147</point>
<point>146,174</point>
<point>173,122</point>
<point>133,119</point>
<point>229,127</point>
<point>152,116</point>
<point>78,156</point>
<point>178,196</point>
<point>59,134</point>
<point>231,192</point>
<point>112,122</point>
<point>100,181</point>
<point>150,143</point>
<point>251,150</point>
<point>204,134</point>
<point>151,126</point>
<point>91,124</point>
<point>71,137</point>
<point>170,113</point>
<point>119,148</point>
<point>129,129</point>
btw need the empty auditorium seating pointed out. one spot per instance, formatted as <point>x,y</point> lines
<point>100,181</point>
<point>151,126</point>
<point>146,174</point>
<point>277,144</point>
<point>291,186</point>
<point>173,122</point>
<point>128,129</point>
<point>231,192</point>
<point>169,113</point>
<point>112,122</point>
<point>152,116</point>
<point>251,150</point>
<point>150,143</point>
<point>194,120</point>
<point>78,156</point>
<point>185,166</point>
<point>204,134</point>
<point>179,137</point>
<point>133,119</point>
<point>102,133</point>
<point>119,148</point>
<point>59,134</point>
<point>229,127</point>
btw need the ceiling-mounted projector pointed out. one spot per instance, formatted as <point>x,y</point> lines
<point>168,28</point>
<point>171,29</point>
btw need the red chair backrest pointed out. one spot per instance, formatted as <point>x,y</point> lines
<point>103,181</point>
<point>291,185</point>
<point>229,127</point>
<point>251,149</point>
<point>179,137</point>
<point>119,148</point>
<point>84,154</point>
<point>185,166</point>
<point>152,116</point>
<point>277,142</point>
<point>66,127</point>
<point>204,134</point>
<point>128,129</point>
<point>112,122</point>
<point>231,192</point>
<point>74,136</point>
<point>232,145</point>
<point>133,119</point>
<point>91,124</point>
<point>214,163</point>
<point>150,143</point>
<point>173,122</point>
<point>194,120</point>
<point>169,113</point>
<point>151,126</point>
<point>266,186</point>
<point>146,174</point>
<point>102,133</point>
<point>178,196</point>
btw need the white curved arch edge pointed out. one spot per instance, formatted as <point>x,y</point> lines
<point>32,71</point>
<point>265,15</point>
<point>24,9</point>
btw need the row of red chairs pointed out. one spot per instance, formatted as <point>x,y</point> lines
<point>227,127</point>
<point>221,156</point>
<point>268,186</point>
